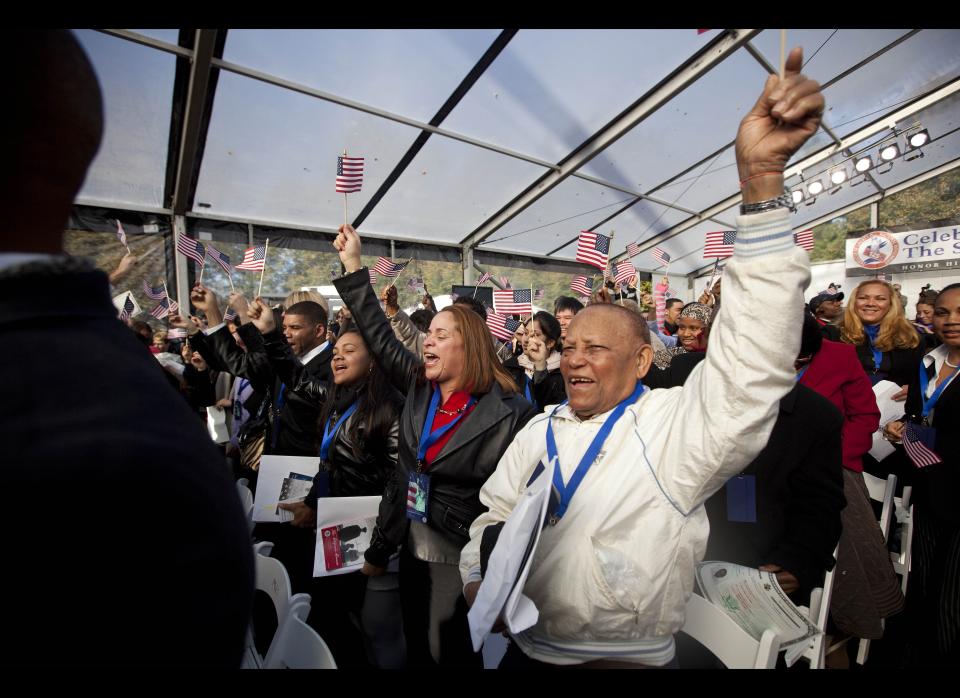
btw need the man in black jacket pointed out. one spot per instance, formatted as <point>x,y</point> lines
<point>137,553</point>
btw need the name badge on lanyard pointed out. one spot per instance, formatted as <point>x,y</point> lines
<point>566,491</point>
<point>418,482</point>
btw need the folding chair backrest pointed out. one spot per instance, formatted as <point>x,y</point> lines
<point>818,613</point>
<point>246,501</point>
<point>883,491</point>
<point>716,631</point>
<point>297,645</point>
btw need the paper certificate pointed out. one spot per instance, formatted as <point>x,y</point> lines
<point>755,602</point>
<point>889,411</point>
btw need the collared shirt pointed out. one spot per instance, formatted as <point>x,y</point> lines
<point>309,356</point>
<point>935,360</point>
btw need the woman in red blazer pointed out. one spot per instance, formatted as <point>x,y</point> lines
<point>866,589</point>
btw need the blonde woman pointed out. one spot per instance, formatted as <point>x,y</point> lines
<point>888,345</point>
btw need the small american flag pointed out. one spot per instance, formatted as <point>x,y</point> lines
<point>624,272</point>
<point>127,310</point>
<point>538,294</point>
<point>581,285</point>
<point>121,234</point>
<point>501,326</point>
<point>633,249</point>
<point>804,239</point>
<point>719,244</point>
<point>219,257</point>
<point>154,292</point>
<point>486,276</point>
<point>191,248</point>
<point>177,333</point>
<point>254,258</point>
<point>162,309</point>
<point>349,175</point>
<point>593,249</point>
<point>513,301</point>
<point>660,256</point>
<point>373,276</point>
<point>231,315</point>
<point>918,447</point>
<point>385,267</point>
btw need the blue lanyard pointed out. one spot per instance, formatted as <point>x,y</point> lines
<point>429,438</point>
<point>526,392</point>
<point>924,382</point>
<point>801,372</point>
<point>567,491</point>
<point>877,354</point>
<point>329,434</point>
<point>280,400</point>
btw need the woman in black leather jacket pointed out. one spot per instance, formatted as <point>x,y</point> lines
<point>461,412</point>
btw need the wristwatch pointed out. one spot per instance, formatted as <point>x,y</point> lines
<point>785,200</point>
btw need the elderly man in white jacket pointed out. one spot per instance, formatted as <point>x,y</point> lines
<point>613,572</point>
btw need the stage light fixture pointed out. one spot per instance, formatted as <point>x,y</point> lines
<point>838,176</point>
<point>918,139</point>
<point>890,152</point>
<point>863,164</point>
<point>797,196</point>
<point>814,188</point>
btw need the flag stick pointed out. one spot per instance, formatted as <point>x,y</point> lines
<point>264,268</point>
<point>713,273</point>
<point>230,277</point>
<point>783,52</point>
<point>202,267</point>
<point>401,273</point>
<point>167,296</point>
<point>345,196</point>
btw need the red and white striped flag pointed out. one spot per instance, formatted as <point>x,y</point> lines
<point>513,302</point>
<point>190,248</point>
<point>581,285</point>
<point>126,312</point>
<point>719,244</point>
<point>373,276</point>
<point>501,326</point>
<point>538,294</point>
<point>349,175</point>
<point>154,292</point>
<point>916,443</point>
<point>804,239</point>
<point>633,249</point>
<point>661,257</point>
<point>624,272</point>
<point>177,333</point>
<point>593,249</point>
<point>385,267</point>
<point>486,276</point>
<point>254,258</point>
<point>219,257</point>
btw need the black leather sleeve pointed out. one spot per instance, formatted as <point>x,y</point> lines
<point>391,522</point>
<point>291,371</point>
<point>222,353</point>
<point>402,367</point>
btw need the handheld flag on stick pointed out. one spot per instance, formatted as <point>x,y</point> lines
<point>402,268</point>
<point>593,249</point>
<point>660,256</point>
<point>122,236</point>
<point>191,248</point>
<point>154,292</point>
<point>804,239</point>
<point>538,294</point>
<point>126,312</point>
<point>719,244</point>
<point>349,178</point>
<point>502,327</point>
<point>388,268</point>
<point>633,249</point>
<point>582,285</point>
<point>510,302</point>
<point>624,272</point>
<point>254,258</point>
<point>917,442</point>
<point>223,260</point>
<point>373,277</point>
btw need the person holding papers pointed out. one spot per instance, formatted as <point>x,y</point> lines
<point>932,441</point>
<point>461,412</point>
<point>615,562</point>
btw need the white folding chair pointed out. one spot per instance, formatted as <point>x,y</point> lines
<point>818,613</point>
<point>246,501</point>
<point>272,578</point>
<point>297,645</point>
<point>716,631</point>
<point>904,515</point>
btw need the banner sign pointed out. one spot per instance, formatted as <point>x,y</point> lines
<point>880,251</point>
